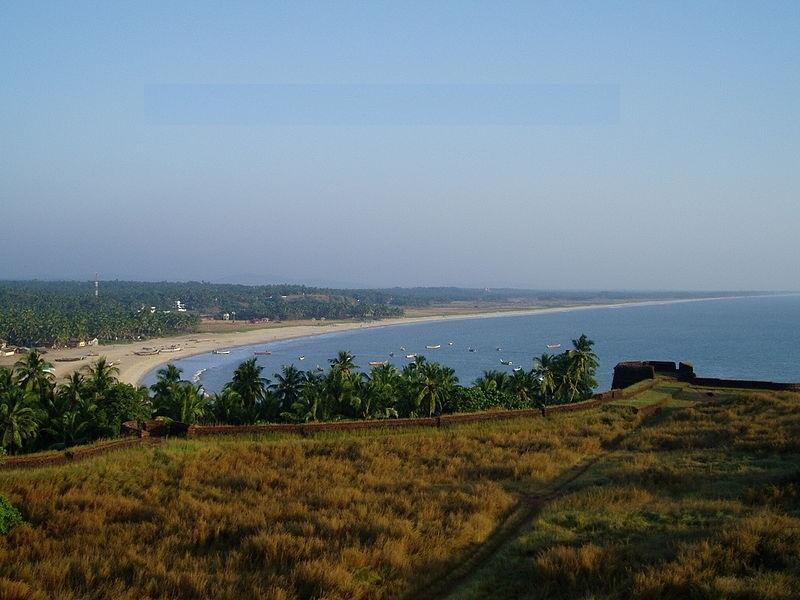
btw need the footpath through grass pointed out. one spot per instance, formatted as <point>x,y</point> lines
<point>336,516</point>
<point>704,502</point>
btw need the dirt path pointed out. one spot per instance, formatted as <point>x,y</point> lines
<point>521,516</point>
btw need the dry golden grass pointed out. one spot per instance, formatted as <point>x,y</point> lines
<point>702,503</point>
<point>338,516</point>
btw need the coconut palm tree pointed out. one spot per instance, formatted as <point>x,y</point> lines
<point>250,385</point>
<point>101,375</point>
<point>582,364</point>
<point>18,422</point>
<point>227,407</point>
<point>33,374</point>
<point>544,370</point>
<point>437,383</point>
<point>522,386</point>
<point>190,403</point>
<point>73,389</point>
<point>288,386</point>
<point>343,363</point>
<point>6,379</point>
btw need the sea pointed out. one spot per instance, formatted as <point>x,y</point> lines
<point>745,338</point>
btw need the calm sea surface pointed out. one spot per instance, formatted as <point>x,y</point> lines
<point>754,338</point>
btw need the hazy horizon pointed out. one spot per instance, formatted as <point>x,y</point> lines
<point>607,146</point>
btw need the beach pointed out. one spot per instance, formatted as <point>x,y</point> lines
<point>133,367</point>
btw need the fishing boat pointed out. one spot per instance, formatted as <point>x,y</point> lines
<point>301,357</point>
<point>320,369</point>
<point>411,356</point>
<point>147,352</point>
<point>262,352</point>
<point>499,349</point>
<point>220,352</point>
<point>553,346</point>
<point>449,343</point>
<point>402,348</point>
<point>434,346</point>
<point>171,349</point>
<point>470,349</point>
<point>378,363</point>
<point>391,353</point>
<point>71,359</point>
<point>507,363</point>
<point>517,369</point>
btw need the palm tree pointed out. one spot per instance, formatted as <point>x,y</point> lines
<point>33,374</point>
<point>227,407</point>
<point>250,385</point>
<point>101,375</point>
<point>437,383</point>
<point>544,370</point>
<point>288,386</point>
<point>69,428</point>
<point>522,385</point>
<point>190,403</point>
<point>343,363</point>
<point>582,364</point>
<point>18,421</point>
<point>73,389</point>
<point>6,379</point>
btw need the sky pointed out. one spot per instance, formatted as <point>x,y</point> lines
<point>560,145</point>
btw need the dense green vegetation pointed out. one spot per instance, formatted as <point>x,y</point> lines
<point>46,313</point>
<point>37,414</point>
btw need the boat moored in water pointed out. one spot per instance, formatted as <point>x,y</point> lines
<point>411,356</point>
<point>262,352</point>
<point>434,346</point>
<point>378,363</point>
<point>553,346</point>
<point>220,352</point>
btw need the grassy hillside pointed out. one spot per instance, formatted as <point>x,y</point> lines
<point>698,500</point>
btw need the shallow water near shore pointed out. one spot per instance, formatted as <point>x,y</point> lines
<point>753,338</point>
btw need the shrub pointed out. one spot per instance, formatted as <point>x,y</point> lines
<point>9,516</point>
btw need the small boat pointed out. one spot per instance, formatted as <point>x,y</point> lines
<point>470,349</point>
<point>378,363</point>
<point>320,369</point>
<point>517,369</point>
<point>434,347</point>
<point>220,352</point>
<point>171,349</point>
<point>72,359</point>
<point>553,346</point>
<point>301,357</point>
<point>507,363</point>
<point>262,352</point>
<point>402,348</point>
<point>499,349</point>
<point>391,353</point>
<point>147,352</point>
<point>411,356</point>
<point>449,343</point>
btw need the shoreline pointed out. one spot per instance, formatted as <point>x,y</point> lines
<point>133,368</point>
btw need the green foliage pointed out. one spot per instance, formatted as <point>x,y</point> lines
<point>36,414</point>
<point>9,516</point>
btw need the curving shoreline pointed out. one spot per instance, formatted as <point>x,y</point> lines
<point>134,368</point>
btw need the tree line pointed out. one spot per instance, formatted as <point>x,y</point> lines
<point>37,414</point>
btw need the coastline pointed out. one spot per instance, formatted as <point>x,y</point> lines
<point>133,368</point>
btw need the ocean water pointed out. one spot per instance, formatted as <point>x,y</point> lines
<point>752,338</point>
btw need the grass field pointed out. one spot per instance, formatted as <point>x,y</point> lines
<point>702,503</point>
<point>699,500</point>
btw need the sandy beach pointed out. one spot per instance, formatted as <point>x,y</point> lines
<point>133,368</point>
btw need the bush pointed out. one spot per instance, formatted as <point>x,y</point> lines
<point>9,516</point>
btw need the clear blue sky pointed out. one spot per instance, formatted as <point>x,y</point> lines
<point>167,140</point>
